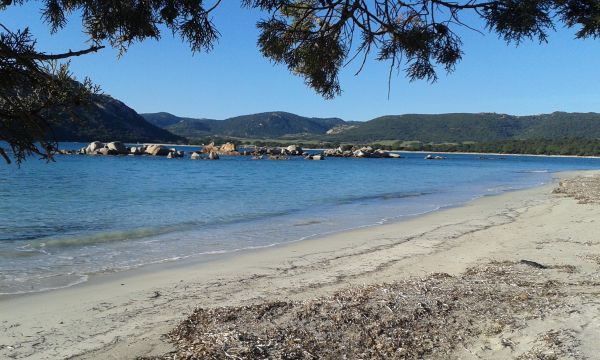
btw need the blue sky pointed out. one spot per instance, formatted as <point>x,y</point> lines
<point>235,79</point>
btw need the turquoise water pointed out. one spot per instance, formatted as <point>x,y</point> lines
<point>62,221</point>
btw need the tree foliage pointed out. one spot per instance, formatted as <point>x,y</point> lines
<point>315,39</point>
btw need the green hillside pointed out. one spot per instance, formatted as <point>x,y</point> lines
<point>263,125</point>
<point>108,119</point>
<point>437,128</point>
<point>480,127</point>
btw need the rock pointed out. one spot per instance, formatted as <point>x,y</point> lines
<point>314,157</point>
<point>103,151</point>
<point>213,156</point>
<point>381,153</point>
<point>294,150</point>
<point>139,150</point>
<point>157,150</point>
<point>93,147</point>
<point>117,147</point>
<point>228,148</point>
<point>195,156</point>
<point>361,154</point>
<point>207,149</point>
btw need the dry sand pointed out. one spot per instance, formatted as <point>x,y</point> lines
<point>127,314</point>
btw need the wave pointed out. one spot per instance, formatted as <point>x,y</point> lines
<point>46,243</point>
<point>384,196</point>
<point>532,171</point>
<point>77,240</point>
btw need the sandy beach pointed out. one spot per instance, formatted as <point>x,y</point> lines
<point>126,315</point>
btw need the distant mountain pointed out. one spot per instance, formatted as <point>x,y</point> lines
<point>437,128</point>
<point>108,119</point>
<point>479,127</point>
<point>263,125</point>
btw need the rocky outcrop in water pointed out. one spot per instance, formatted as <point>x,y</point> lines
<point>315,157</point>
<point>362,152</point>
<point>431,157</point>
<point>118,148</point>
<point>227,149</point>
<point>292,150</point>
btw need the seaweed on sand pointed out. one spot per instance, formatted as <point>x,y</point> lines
<point>409,319</point>
<point>586,189</point>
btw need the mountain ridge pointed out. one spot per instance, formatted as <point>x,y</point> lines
<point>448,127</point>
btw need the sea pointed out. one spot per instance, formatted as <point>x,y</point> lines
<point>62,222</point>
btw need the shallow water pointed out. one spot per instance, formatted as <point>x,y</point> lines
<point>61,222</point>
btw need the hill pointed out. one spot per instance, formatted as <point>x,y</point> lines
<point>479,127</point>
<point>108,119</point>
<point>276,124</point>
<point>436,128</point>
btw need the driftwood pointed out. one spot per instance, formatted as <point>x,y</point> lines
<point>534,264</point>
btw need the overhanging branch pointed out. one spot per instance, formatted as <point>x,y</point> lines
<point>45,57</point>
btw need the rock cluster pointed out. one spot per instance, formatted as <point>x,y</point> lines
<point>118,148</point>
<point>431,157</point>
<point>292,150</point>
<point>363,152</point>
<point>204,156</point>
<point>226,149</point>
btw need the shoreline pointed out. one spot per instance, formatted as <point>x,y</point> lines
<point>223,255</point>
<point>403,151</point>
<point>124,315</point>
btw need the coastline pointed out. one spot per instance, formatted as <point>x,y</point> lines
<point>480,153</point>
<point>124,315</point>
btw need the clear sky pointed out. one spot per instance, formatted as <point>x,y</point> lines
<point>235,79</point>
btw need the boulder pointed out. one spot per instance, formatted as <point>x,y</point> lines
<point>380,153</point>
<point>195,156</point>
<point>314,157</point>
<point>103,151</point>
<point>157,150</point>
<point>207,149</point>
<point>228,148</point>
<point>136,150</point>
<point>117,147</point>
<point>93,147</point>
<point>213,156</point>
<point>294,150</point>
<point>361,154</point>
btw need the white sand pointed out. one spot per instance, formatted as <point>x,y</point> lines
<point>119,315</point>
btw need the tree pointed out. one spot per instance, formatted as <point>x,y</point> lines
<point>315,39</point>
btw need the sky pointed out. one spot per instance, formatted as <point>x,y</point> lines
<point>235,79</point>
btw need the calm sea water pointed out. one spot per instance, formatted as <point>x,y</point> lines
<point>61,222</point>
